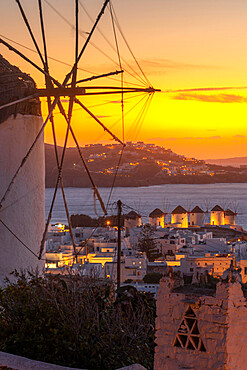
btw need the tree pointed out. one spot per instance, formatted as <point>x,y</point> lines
<point>147,244</point>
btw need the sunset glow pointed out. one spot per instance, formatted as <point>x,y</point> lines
<point>180,44</point>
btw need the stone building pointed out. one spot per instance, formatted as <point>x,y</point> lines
<point>229,217</point>
<point>217,216</point>
<point>131,220</point>
<point>156,218</point>
<point>201,328</point>
<point>197,216</point>
<point>179,217</point>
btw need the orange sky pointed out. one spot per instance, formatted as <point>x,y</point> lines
<point>180,44</point>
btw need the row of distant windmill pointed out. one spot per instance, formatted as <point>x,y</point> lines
<point>180,217</point>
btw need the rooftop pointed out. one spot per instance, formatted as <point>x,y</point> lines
<point>156,213</point>
<point>197,209</point>
<point>217,208</point>
<point>179,210</point>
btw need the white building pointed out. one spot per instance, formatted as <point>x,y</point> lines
<point>131,220</point>
<point>156,218</point>
<point>217,216</point>
<point>179,217</point>
<point>197,216</point>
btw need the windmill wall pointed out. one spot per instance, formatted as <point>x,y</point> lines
<point>179,219</point>
<point>157,221</point>
<point>198,328</point>
<point>217,218</point>
<point>197,219</point>
<point>24,209</point>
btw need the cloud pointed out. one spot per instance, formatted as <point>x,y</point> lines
<point>209,129</point>
<point>171,138</point>
<point>216,98</point>
<point>239,136</point>
<point>215,137</point>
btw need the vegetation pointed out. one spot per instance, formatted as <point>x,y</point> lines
<point>147,244</point>
<point>76,322</point>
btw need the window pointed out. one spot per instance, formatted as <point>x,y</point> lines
<point>188,335</point>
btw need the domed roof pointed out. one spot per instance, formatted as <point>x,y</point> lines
<point>15,85</point>
<point>156,213</point>
<point>179,210</point>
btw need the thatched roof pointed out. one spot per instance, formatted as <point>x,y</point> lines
<point>228,212</point>
<point>156,213</point>
<point>217,208</point>
<point>197,209</point>
<point>132,215</point>
<point>179,210</point>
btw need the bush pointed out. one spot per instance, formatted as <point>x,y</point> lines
<point>76,322</point>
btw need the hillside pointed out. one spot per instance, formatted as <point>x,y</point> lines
<point>141,165</point>
<point>235,162</point>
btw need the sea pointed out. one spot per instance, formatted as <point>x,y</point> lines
<point>146,198</point>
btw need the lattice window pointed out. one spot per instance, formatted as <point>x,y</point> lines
<point>188,335</point>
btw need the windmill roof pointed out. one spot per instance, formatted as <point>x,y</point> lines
<point>217,208</point>
<point>132,215</point>
<point>179,210</point>
<point>14,85</point>
<point>197,209</point>
<point>156,213</point>
<point>228,212</point>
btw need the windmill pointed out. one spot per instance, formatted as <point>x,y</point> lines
<point>72,89</point>
<point>167,211</point>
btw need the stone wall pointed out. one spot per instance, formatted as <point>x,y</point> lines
<point>200,328</point>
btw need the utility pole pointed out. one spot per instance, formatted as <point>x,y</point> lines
<point>119,206</point>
